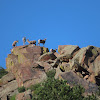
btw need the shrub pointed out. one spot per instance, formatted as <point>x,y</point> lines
<point>33,87</point>
<point>21,89</point>
<point>51,74</point>
<point>13,97</point>
<point>2,72</point>
<point>77,92</point>
<point>54,89</point>
<point>98,93</point>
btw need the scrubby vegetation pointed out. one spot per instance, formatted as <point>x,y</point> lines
<point>51,74</point>
<point>13,97</point>
<point>54,89</point>
<point>21,89</point>
<point>2,72</point>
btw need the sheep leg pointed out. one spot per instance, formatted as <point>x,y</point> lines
<point>38,44</point>
<point>43,44</point>
<point>23,43</point>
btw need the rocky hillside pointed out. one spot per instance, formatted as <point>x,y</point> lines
<point>27,65</point>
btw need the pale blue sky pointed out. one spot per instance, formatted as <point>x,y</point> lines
<point>62,22</point>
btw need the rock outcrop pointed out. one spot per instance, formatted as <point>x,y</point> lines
<point>27,65</point>
<point>21,63</point>
<point>84,64</point>
<point>22,69</point>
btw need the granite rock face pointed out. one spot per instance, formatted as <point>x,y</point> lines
<point>27,65</point>
<point>21,63</point>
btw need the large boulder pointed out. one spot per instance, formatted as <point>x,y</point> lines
<point>8,88</point>
<point>73,79</point>
<point>37,77</point>
<point>27,76</point>
<point>46,66</point>
<point>21,63</point>
<point>47,56</point>
<point>28,54</point>
<point>7,78</point>
<point>68,49</point>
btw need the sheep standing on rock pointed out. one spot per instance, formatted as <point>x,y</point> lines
<point>31,42</point>
<point>52,50</point>
<point>24,40</point>
<point>41,41</point>
<point>14,43</point>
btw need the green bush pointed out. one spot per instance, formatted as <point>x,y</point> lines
<point>98,93</point>
<point>33,87</point>
<point>51,73</point>
<point>2,72</point>
<point>54,89</point>
<point>92,97</point>
<point>13,97</point>
<point>21,89</point>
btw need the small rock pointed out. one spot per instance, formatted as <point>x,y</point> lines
<point>28,95</point>
<point>58,71</point>
<point>4,98</point>
<point>56,54</point>
<point>47,67</point>
<point>55,63</point>
<point>86,77</point>
<point>64,57</point>
<point>20,96</point>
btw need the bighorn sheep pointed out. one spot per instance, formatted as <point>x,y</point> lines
<point>31,42</point>
<point>24,40</point>
<point>41,41</point>
<point>52,50</point>
<point>14,43</point>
